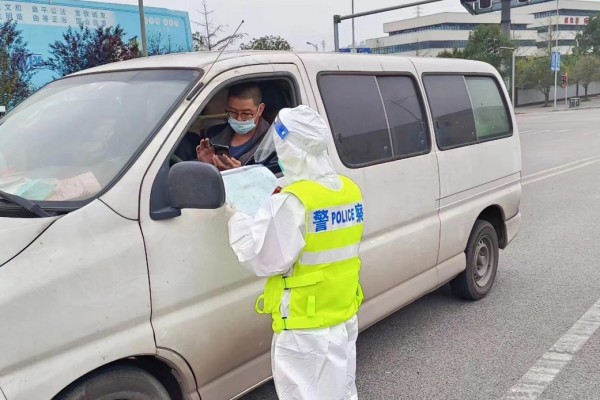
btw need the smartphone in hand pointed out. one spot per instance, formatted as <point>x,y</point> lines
<point>220,149</point>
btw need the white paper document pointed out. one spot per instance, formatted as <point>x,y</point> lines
<point>248,188</point>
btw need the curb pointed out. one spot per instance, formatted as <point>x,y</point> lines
<point>576,108</point>
<point>559,110</point>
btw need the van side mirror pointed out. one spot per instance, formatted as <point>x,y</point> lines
<point>194,184</point>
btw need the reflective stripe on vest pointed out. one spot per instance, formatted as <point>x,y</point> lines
<point>329,256</point>
<point>324,288</point>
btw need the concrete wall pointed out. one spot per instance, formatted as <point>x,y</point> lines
<point>532,96</point>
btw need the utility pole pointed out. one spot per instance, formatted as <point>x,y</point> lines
<point>556,69</point>
<point>512,79</point>
<point>143,28</point>
<point>505,18</point>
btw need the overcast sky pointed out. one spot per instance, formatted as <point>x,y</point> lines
<point>299,21</point>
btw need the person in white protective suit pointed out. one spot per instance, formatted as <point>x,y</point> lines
<point>306,240</point>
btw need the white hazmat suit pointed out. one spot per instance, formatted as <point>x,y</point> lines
<point>307,364</point>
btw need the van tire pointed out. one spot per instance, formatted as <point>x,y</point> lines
<point>123,383</point>
<point>475,282</point>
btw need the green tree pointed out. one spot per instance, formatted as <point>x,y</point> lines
<point>15,75</point>
<point>521,82</point>
<point>267,43</point>
<point>477,48</point>
<point>588,41</point>
<point>534,73</point>
<point>454,53</point>
<point>85,48</point>
<point>208,38</point>
<point>158,46</point>
<point>567,64</point>
<point>585,71</point>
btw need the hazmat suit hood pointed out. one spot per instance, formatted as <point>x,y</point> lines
<point>301,138</point>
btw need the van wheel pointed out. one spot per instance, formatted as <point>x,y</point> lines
<point>476,280</point>
<point>118,383</point>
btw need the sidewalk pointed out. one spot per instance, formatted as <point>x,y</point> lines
<point>593,102</point>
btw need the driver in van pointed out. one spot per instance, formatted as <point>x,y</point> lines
<point>243,133</point>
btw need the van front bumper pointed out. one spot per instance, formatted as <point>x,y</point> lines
<point>513,226</point>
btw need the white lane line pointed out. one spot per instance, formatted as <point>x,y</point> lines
<point>535,132</point>
<point>541,375</point>
<point>549,132</point>
<point>561,169</point>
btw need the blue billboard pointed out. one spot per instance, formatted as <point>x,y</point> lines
<point>43,22</point>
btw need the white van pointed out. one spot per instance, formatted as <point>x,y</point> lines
<point>116,277</point>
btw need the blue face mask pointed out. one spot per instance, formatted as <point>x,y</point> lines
<point>242,127</point>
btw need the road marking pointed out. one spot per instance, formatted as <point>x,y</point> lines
<point>561,169</point>
<point>535,132</point>
<point>540,376</point>
<point>550,132</point>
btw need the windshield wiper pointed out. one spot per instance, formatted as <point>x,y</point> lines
<point>25,203</point>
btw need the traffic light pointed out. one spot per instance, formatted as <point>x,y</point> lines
<point>492,45</point>
<point>483,4</point>
<point>564,79</point>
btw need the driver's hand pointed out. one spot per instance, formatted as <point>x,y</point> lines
<point>205,152</point>
<point>223,162</point>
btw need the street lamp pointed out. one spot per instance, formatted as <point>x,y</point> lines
<point>314,45</point>
<point>143,28</point>
<point>353,40</point>
<point>512,78</point>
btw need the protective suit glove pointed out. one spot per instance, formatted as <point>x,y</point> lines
<point>240,233</point>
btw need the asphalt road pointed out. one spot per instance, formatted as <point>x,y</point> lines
<point>534,336</point>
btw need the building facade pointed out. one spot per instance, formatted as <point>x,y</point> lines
<point>532,28</point>
<point>43,22</point>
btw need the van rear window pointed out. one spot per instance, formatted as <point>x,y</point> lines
<point>466,109</point>
<point>374,118</point>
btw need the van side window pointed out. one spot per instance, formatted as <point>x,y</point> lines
<point>491,119</point>
<point>357,118</point>
<point>404,111</point>
<point>466,110</point>
<point>374,118</point>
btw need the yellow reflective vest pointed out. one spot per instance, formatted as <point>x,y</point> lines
<point>324,286</point>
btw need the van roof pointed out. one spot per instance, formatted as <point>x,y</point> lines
<point>249,57</point>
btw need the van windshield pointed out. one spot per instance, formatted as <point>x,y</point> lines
<point>73,137</point>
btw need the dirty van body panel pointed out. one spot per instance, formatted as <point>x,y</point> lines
<point>75,299</point>
<point>400,243</point>
<point>477,175</point>
<point>17,233</point>
<point>202,297</point>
